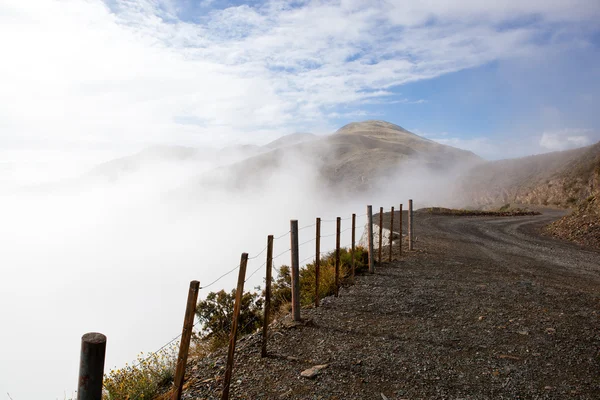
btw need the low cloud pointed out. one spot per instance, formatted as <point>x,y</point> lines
<point>565,139</point>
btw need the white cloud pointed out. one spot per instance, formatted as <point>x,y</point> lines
<point>565,139</point>
<point>78,72</point>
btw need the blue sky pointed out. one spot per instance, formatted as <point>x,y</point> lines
<point>502,79</point>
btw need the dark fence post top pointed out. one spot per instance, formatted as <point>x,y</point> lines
<point>94,338</point>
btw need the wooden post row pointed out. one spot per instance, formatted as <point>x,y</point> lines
<point>338,231</point>
<point>370,238</point>
<point>295,270</point>
<point>91,366</point>
<point>380,234</point>
<point>317,260</point>
<point>267,310</point>
<point>353,245</point>
<point>239,292</point>
<point>186,335</point>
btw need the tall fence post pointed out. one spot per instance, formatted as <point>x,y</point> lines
<point>239,292</point>
<point>91,366</point>
<point>338,232</point>
<point>370,237</point>
<point>410,225</point>
<point>353,246</point>
<point>267,310</point>
<point>391,233</point>
<point>401,229</point>
<point>295,270</point>
<point>380,234</point>
<point>317,260</point>
<point>186,336</point>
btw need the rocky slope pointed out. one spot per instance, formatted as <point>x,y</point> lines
<point>563,179</point>
<point>581,226</point>
<point>567,179</point>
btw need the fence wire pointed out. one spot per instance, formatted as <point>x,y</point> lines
<point>282,235</point>
<point>154,353</point>
<point>307,226</point>
<point>256,256</point>
<point>219,278</point>
<point>255,271</point>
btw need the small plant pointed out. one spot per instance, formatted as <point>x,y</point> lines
<point>144,379</point>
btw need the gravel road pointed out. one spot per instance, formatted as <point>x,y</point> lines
<point>484,308</point>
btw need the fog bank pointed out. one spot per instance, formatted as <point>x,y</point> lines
<point>115,255</point>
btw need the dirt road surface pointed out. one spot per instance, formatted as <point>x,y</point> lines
<point>484,308</point>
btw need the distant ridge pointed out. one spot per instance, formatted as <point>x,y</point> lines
<point>291,139</point>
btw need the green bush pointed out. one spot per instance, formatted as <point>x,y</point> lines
<point>281,288</point>
<point>216,315</point>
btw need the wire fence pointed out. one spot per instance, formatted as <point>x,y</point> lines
<point>174,340</point>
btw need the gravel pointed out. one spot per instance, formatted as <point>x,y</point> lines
<point>484,307</point>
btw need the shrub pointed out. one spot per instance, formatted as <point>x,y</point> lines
<point>281,288</point>
<point>216,315</point>
<point>144,379</point>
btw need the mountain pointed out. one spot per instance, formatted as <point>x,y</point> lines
<point>353,158</point>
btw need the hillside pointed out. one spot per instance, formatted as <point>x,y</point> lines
<point>567,179</point>
<point>155,155</point>
<point>562,179</point>
<point>354,158</point>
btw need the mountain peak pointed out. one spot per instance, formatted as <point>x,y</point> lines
<point>373,128</point>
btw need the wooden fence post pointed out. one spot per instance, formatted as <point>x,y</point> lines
<point>353,245</point>
<point>317,260</point>
<point>380,234</point>
<point>239,292</point>
<point>267,310</point>
<point>295,270</point>
<point>91,366</point>
<point>391,233</point>
<point>186,335</point>
<point>401,239</point>
<point>410,225</point>
<point>370,238</point>
<point>338,232</point>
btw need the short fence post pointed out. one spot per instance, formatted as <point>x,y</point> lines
<point>410,225</point>
<point>353,245</point>
<point>186,336</point>
<point>370,237</point>
<point>380,234</point>
<point>401,230</point>
<point>239,292</point>
<point>338,231</point>
<point>91,366</point>
<point>295,270</point>
<point>317,260</point>
<point>391,233</point>
<point>267,310</point>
